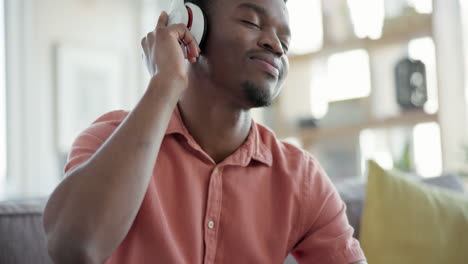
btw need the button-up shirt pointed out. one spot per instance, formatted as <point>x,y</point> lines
<point>266,200</point>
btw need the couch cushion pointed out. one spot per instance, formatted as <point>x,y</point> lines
<point>22,238</point>
<point>353,194</point>
<point>408,222</point>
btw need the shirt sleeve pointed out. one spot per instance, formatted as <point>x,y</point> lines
<point>327,234</point>
<point>91,139</point>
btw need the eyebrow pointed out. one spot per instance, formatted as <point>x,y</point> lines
<point>261,11</point>
<point>258,9</point>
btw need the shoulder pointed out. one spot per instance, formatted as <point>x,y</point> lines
<point>113,117</point>
<point>99,130</point>
<point>91,138</point>
<point>106,124</point>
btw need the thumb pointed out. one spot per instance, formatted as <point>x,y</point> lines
<point>163,19</point>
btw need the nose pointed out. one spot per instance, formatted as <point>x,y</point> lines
<point>271,42</point>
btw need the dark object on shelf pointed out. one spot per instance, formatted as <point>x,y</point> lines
<point>307,122</point>
<point>410,80</point>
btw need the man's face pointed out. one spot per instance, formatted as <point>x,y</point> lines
<point>246,49</point>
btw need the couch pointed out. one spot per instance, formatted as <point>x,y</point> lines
<point>22,239</point>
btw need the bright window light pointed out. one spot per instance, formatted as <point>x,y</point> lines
<point>423,49</point>
<point>348,75</point>
<point>421,6</point>
<point>384,159</point>
<point>368,17</point>
<point>3,141</point>
<point>374,146</point>
<point>318,88</point>
<point>464,12</point>
<point>427,149</point>
<point>305,18</point>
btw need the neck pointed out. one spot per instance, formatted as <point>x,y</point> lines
<point>217,124</point>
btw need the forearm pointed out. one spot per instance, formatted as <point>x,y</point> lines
<point>97,202</point>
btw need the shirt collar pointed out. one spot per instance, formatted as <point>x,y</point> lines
<point>253,147</point>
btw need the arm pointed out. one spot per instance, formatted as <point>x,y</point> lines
<point>326,233</point>
<point>97,202</point>
<point>88,205</point>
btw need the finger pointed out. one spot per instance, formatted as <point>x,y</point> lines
<point>162,21</point>
<point>194,49</point>
<point>142,43</point>
<point>144,46</point>
<point>183,34</point>
<point>190,44</point>
<point>150,36</point>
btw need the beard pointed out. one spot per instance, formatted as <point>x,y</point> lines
<point>256,95</point>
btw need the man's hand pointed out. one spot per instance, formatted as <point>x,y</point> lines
<point>162,47</point>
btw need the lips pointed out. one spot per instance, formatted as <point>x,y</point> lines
<point>267,64</point>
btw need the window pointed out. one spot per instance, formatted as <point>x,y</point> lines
<point>310,11</point>
<point>348,75</point>
<point>423,49</point>
<point>339,77</point>
<point>464,16</point>
<point>375,145</point>
<point>367,17</point>
<point>415,148</point>
<point>3,141</point>
<point>427,149</point>
<point>318,84</point>
<point>421,6</point>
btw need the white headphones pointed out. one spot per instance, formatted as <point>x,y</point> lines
<point>190,15</point>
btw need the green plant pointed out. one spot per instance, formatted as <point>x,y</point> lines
<point>404,163</point>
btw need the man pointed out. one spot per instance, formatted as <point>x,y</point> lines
<point>188,176</point>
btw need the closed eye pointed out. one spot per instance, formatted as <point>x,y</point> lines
<point>250,23</point>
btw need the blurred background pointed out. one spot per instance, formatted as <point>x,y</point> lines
<point>369,79</point>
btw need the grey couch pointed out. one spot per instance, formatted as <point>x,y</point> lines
<point>22,239</point>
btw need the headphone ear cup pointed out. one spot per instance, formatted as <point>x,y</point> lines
<point>178,13</point>
<point>199,24</point>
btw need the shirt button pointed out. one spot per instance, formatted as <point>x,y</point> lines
<point>210,224</point>
<point>215,171</point>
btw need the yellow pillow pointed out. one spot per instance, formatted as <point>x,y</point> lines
<point>408,222</point>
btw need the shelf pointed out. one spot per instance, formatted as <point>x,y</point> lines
<point>309,135</point>
<point>395,32</point>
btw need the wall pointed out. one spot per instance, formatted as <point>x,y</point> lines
<point>34,27</point>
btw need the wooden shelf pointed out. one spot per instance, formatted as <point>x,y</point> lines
<point>395,31</point>
<point>310,135</point>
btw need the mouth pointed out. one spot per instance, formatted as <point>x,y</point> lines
<point>266,66</point>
